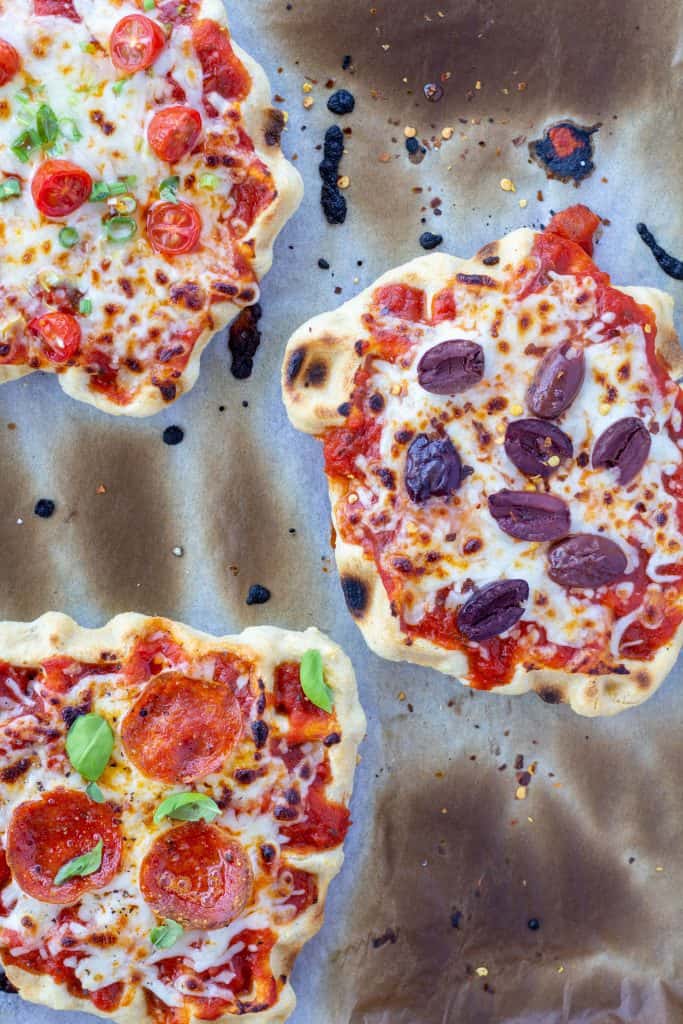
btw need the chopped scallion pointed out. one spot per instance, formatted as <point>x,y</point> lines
<point>68,237</point>
<point>26,144</point>
<point>99,192</point>
<point>69,129</point>
<point>47,124</point>
<point>209,181</point>
<point>168,189</point>
<point>120,229</point>
<point>10,187</point>
<point>22,96</point>
<point>148,5</point>
<point>85,307</point>
<point>117,87</point>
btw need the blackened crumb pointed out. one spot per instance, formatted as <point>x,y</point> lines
<point>389,936</point>
<point>173,435</point>
<point>44,508</point>
<point>333,202</point>
<point>341,102</point>
<point>456,918</point>
<point>243,341</point>
<point>323,264</point>
<point>433,92</point>
<point>346,62</point>
<point>412,145</point>
<point>258,594</point>
<point>533,924</point>
<point>428,240</point>
<point>245,404</point>
<point>221,408</point>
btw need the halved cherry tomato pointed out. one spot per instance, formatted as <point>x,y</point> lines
<point>10,62</point>
<point>135,43</point>
<point>60,334</point>
<point>173,228</point>
<point>173,132</point>
<point>60,187</point>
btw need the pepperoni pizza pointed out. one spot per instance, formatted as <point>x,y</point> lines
<point>141,189</point>
<point>172,809</point>
<point>502,438</point>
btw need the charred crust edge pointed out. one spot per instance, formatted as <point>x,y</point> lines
<point>316,374</point>
<point>550,694</point>
<point>355,594</point>
<point>294,364</point>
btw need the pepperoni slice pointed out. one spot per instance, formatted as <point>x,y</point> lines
<point>45,834</point>
<point>56,9</point>
<point>224,73</point>
<point>180,729</point>
<point>197,875</point>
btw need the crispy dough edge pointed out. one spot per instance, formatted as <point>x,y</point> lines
<point>54,633</point>
<point>317,377</point>
<point>258,116</point>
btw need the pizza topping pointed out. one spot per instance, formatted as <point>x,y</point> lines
<point>135,43</point>
<point>173,228</point>
<point>197,875</point>
<point>624,446</point>
<point>80,867</point>
<point>60,334</point>
<point>174,132</point>
<point>537,447</point>
<point>313,681</point>
<point>586,560</point>
<point>89,744</point>
<point>45,835</point>
<point>493,609</point>
<point>165,935</point>
<point>56,8</point>
<point>451,367</point>
<point>557,381</point>
<point>577,223</point>
<point>10,62</point>
<point>187,807</point>
<point>433,468</point>
<point>60,188</point>
<point>529,515</point>
<point>181,729</point>
<point>223,72</point>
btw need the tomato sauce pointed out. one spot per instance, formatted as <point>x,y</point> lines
<point>401,301</point>
<point>326,823</point>
<point>307,722</point>
<point>149,657</point>
<point>107,999</point>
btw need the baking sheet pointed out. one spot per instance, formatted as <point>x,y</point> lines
<point>428,922</point>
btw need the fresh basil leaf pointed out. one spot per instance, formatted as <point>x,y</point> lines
<point>95,793</point>
<point>187,807</point>
<point>80,867</point>
<point>89,743</point>
<point>313,681</point>
<point>165,935</point>
<point>168,189</point>
<point>47,125</point>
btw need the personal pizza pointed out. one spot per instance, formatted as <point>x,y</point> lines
<point>172,810</point>
<point>502,438</point>
<point>141,189</point>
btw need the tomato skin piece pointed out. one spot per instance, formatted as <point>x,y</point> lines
<point>135,43</point>
<point>577,223</point>
<point>197,875</point>
<point>44,834</point>
<point>180,730</point>
<point>60,188</point>
<point>10,62</point>
<point>173,228</point>
<point>56,9</point>
<point>224,73</point>
<point>60,334</point>
<point>174,132</point>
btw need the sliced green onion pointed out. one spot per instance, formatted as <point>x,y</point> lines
<point>25,117</point>
<point>209,181</point>
<point>118,86</point>
<point>22,96</point>
<point>88,47</point>
<point>168,189</point>
<point>68,237</point>
<point>100,191</point>
<point>10,187</point>
<point>26,144</point>
<point>148,5</point>
<point>118,188</point>
<point>85,307</point>
<point>69,129</point>
<point>47,125</point>
<point>120,229</point>
<point>123,204</point>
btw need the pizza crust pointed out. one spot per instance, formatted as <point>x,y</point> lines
<point>26,643</point>
<point>317,377</point>
<point>264,125</point>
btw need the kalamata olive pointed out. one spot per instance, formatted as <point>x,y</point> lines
<point>624,446</point>
<point>433,468</point>
<point>530,444</point>
<point>493,609</point>
<point>528,515</point>
<point>451,367</point>
<point>557,381</point>
<point>586,560</point>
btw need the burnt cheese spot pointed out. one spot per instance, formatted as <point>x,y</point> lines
<point>481,280</point>
<point>355,594</point>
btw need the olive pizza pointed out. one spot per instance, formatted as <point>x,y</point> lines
<point>141,189</point>
<point>172,809</point>
<point>502,439</point>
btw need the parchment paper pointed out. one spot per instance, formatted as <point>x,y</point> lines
<point>428,922</point>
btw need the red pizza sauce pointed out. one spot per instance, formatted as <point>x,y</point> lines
<point>325,823</point>
<point>307,722</point>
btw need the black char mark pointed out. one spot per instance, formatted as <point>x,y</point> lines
<point>333,202</point>
<point>243,341</point>
<point>565,151</point>
<point>6,985</point>
<point>669,264</point>
<point>355,595</point>
<point>294,364</point>
<point>274,127</point>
